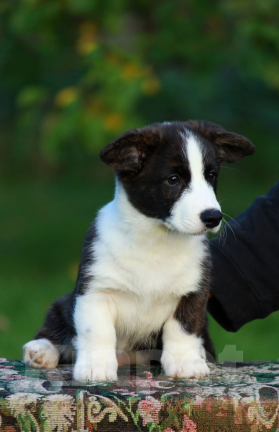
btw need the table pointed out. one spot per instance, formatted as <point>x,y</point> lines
<point>235,397</point>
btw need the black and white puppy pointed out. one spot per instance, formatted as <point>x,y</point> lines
<point>145,264</point>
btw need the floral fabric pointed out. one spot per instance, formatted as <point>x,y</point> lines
<point>236,397</point>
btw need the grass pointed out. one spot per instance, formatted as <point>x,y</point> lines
<point>42,226</point>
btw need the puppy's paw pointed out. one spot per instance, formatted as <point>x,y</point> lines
<point>181,366</point>
<point>41,353</point>
<point>98,367</point>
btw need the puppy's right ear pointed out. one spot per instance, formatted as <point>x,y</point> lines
<point>130,151</point>
<point>230,146</point>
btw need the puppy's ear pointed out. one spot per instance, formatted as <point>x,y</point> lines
<point>130,151</point>
<point>231,147</point>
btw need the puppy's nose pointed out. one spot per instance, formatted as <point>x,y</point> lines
<point>211,218</point>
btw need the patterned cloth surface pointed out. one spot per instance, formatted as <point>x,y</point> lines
<point>235,397</point>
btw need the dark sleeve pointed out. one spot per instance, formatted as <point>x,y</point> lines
<point>245,283</point>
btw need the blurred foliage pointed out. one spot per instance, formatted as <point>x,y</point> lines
<point>77,73</point>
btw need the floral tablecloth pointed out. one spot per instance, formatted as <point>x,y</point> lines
<point>235,397</point>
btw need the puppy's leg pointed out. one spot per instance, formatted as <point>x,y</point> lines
<point>53,342</point>
<point>183,352</point>
<point>96,338</point>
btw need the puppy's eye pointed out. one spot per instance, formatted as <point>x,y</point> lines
<point>212,175</point>
<point>173,179</point>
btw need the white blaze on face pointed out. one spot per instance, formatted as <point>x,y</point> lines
<point>198,197</point>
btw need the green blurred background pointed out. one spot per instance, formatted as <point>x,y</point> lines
<point>75,74</point>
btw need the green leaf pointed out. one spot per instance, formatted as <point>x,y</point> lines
<point>31,96</point>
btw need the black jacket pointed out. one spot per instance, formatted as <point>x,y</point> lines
<point>245,282</point>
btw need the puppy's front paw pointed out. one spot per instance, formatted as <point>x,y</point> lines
<point>181,366</point>
<point>97,367</point>
<point>41,353</point>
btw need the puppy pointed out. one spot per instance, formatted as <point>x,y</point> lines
<point>145,267</point>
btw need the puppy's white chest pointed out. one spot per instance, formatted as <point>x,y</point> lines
<point>145,261</point>
<point>164,272</point>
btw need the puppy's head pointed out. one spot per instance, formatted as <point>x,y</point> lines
<point>169,171</point>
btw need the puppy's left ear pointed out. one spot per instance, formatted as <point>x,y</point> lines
<point>130,151</point>
<point>231,147</point>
